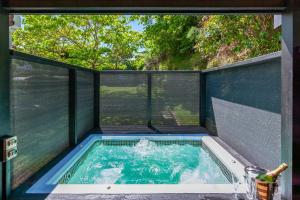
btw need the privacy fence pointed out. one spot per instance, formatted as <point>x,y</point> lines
<point>53,105</point>
<point>242,106</point>
<point>42,110</point>
<point>149,98</point>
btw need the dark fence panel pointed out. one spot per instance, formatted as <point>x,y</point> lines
<point>243,108</point>
<point>175,99</point>
<point>85,102</point>
<point>39,101</point>
<point>123,99</point>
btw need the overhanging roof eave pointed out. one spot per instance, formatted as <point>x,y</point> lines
<point>148,10</point>
<point>145,6</point>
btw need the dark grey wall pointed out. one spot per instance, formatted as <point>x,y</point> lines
<point>39,106</point>
<point>85,102</point>
<point>243,103</point>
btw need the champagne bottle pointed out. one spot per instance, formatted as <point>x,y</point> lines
<point>271,176</point>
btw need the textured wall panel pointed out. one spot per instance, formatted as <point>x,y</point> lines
<point>85,102</point>
<point>39,103</point>
<point>123,99</point>
<point>243,107</point>
<point>175,99</point>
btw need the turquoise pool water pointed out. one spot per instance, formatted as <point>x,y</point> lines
<point>147,162</point>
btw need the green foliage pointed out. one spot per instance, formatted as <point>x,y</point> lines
<point>168,33</point>
<point>168,42</point>
<point>94,41</point>
<point>166,39</point>
<point>224,39</point>
<point>189,42</point>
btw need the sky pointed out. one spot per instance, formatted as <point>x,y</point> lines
<point>136,26</point>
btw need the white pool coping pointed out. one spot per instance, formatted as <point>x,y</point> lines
<point>49,182</point>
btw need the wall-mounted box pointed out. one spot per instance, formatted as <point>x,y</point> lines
<point>9,148</point>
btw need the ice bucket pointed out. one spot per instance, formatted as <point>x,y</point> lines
<point>251,172</point>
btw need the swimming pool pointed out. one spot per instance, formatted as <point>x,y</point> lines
<point>144,164</point>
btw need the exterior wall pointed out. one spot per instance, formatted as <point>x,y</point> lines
<point>85,103</point>
<point>243,107</point>
<point>39,105</point>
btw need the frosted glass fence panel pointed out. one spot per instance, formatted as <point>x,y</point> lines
<point>85,102</point>
<point>175,99</point>
<point>39,106</point>
<point>123,99</point>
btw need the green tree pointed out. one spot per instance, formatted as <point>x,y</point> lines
<point>168,42</point>
<point>222,39</point>
<point>93,41</point>
<point>197,42</point>
<point>166,38</point>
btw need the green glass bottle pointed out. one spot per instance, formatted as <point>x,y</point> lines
<point>271,176</point>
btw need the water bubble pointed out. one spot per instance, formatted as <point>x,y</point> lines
<point>192,177</point>
<point>154,169</point>
<point>176,170</point>
<point>97,166</point>
<point>108,176</point>
<point>144,148</point>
